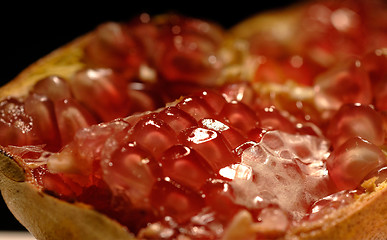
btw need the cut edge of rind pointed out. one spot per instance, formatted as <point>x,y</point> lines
<point>63,62</point>
<point>34,209</point>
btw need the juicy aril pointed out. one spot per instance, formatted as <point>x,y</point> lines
<point>173,128</point>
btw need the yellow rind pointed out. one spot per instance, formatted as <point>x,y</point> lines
<point>365,219</point>
<point>62,62</point>
<point>48,218</point>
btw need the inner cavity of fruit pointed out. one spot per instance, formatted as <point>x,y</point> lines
<point>147,135</point>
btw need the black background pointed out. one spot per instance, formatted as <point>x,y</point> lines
<point>30,31</point>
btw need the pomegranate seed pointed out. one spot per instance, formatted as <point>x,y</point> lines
<point>269,70</point>
<point>177,119</point>
<point>92,141</point>
<point>256,134</point>
<point>140,101</point>
<point>213,99</point>
<point>210,145</point>
<point>131,172</point>
<point>71,117</point>
<point>42,112</point>
<point>189,58</point>
<point>102,92</point>
<point>232,136</point>
<point>273,221</point>
<point>219,196</point>
<point>55,184</point>
<point>115,47</point>
<point>53,87</point>
<point>265,43</point>
<point>240,91</point>
<point>272,119</point>
<point>196,107</point>
<point>328,39</point>
<point>301,69</point>
<point>153,135</point>
<point>183,165</point>
<point>240,116</point>
<point>15,124</point>
<point>241,148</point>
<point>174,201</point>
<point>189,53</point>
<point>356,120</point>
<point>346,83</point>
<point>381,175</point>
<point>327,204</point>
<point>175,90</point>
<point>375,63</point>
<point>352,161</point>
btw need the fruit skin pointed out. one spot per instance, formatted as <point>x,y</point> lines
<point>69,221</point>
<point>49,218</point>
<point>364,219</point>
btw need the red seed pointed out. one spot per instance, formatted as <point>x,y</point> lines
<point>334,201</point>
<point>210,145</point>
<point>375,63</point>
<point>219,197</point>
<point>131,173</point>
<point>272,119</point>
<point>240,116</point>
<point>115,47</point>
<point>41,110</point>
<point>177,119</point>
<point>188,50</point>
<point>242,91</point>
<point>71,117</point>
<point>269,70</point>
<point>352,161</point>
<point>233,137</point>
<point>153,135</point>
<point>346,83</point>
<point>186,167</point>
<point>196,107</point>
<point>274,220</point>
<point>174,201</point>
<point>53,87</point>
<point>213,99</point>
<point>354,120</point>
<point>102,92</point>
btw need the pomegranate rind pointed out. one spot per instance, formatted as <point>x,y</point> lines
<point>47,217</point>
<point>10,168</point>
<point>61,62</point>
<point>363,219</point>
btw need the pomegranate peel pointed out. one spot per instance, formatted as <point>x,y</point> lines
<point>48,217</point>
<point>62,62</point>
<point>34,209</point>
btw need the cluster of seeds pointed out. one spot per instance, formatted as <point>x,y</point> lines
<point>288,145</point>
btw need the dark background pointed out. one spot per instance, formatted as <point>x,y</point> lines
<point>30,31</point>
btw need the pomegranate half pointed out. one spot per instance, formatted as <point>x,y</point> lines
<point>267,130</point>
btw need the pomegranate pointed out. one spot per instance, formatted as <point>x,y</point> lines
<point>171,127</point>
